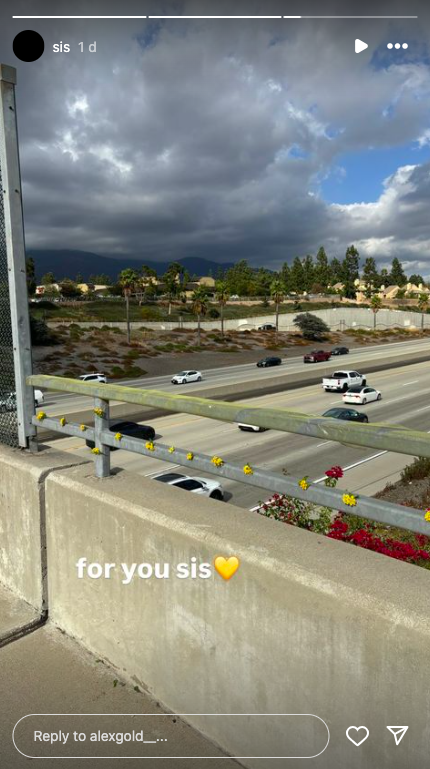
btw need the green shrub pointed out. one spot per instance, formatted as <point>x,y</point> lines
<point>419,469</point>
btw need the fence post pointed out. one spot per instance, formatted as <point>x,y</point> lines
<point>102,460</point>
<point>15,248</point>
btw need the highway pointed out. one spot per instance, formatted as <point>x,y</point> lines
<point>236,375</point>
<point>405,401</point>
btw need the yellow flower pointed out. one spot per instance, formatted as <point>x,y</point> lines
<point>248,470</point>
<point>83,428</point>
<point>427,515</point>
<point>171,449</point>
<point>62,421</point>
<point>150,446</point>
<point>118,436</point>
<point>99,412</point>
<point>41,415</point>
<point>304,483</point>
<point>217,461</point>
<point>349,499</point>
<point>190,455</point>
<point>95,450</point>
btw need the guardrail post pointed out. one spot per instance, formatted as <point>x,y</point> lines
<point>102,459</point>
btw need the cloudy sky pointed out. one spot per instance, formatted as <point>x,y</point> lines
<point>226,139</point>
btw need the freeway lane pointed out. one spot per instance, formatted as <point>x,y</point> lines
<point>60,403</point>
<point>405,401</point>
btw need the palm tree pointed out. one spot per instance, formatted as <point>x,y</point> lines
<point>277,294</point>
<point>376,304</point>
<point>199,305</point>
<point>423,303</point>
<point>222,297</point>
<point>128,280</point>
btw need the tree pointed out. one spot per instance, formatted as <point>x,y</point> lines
<point>128,279</point>
<point>69,289</point>
<point>371,278</point>
<point>297,276</point>
<point>276,292</point>
<point>48,279</point>
<point>238,278</point>
<point>311,326</point>
<point>100,280</point>
<point>416,280</point>
<point>397,275</point>
<point>423,303</point>
<point>376,304</point>
<point>31,275</point>
<point>199,306</point>
<point>285,276</point>
<point>322,270</point>
<point>336,271</point>
<point>384,277</point>
<point>40,333</point>
<point>221,295</point>
<point>80,278</point>
<point>349,271</point>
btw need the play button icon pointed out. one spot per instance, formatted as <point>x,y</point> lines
<point>360,45</point>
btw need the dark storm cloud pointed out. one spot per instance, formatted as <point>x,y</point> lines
<point>211,138</point>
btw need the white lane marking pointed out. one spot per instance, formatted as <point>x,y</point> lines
<point>156,472</point>
<point>355,464</point>
<point>323,444</point>
<point>333,402</point>
<point>409,383</point>
<point>423,409</point>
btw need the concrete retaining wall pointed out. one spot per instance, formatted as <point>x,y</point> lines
<point>22,519</point>
<point>306,625</point>
<point>337,318</point>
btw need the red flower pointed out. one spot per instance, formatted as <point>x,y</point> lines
<point>335,472</point>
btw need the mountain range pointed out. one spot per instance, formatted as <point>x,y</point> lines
<point>67,264</point>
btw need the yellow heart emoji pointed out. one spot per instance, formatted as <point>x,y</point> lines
<point>226,567</point>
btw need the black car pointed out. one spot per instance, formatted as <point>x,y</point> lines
<point>271,361</point>
<point>340,351</point>
<point>350,415</point>
<point>131,430</point>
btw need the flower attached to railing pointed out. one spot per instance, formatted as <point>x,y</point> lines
<point>41,416</point>
<point>118,436</point>
<point>190,456</point>
<point>99,412</point>
<point>82,428</point>
<point>304,483</point>
<point>217,461</point>
<point>248,470</point>
<point>150,446</point>
<point>95,450</point>
<point>171,449</point>
<point>63,421</point>
<point>349,499</point>
<point>427,514</point>
<point>333,475</point>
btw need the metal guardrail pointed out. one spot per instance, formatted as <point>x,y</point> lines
<point>391,438</point>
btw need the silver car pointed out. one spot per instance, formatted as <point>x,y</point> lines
<point>187,376</point>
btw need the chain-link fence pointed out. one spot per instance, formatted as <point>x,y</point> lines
<point>8,406</point>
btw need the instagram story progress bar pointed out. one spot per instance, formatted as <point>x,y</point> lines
<point>166,16</point>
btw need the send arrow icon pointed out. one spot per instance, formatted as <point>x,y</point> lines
<point>398,732</point>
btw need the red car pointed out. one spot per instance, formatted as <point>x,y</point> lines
<point>316,356</point>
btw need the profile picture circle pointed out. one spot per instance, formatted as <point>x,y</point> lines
<point>28,45</point>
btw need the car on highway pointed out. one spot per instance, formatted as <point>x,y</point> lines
<point>317,356</point>
<point>203,486</point>
<point>131,430</point>
<point>349,415</point>
<point>271,360</point>
<point>187,376</point>
<point>251,428</point>
<point>340,351</point>
<point>8,400</point>
<point>93,378</point>
<point>341,381</point>
<point>361,394</point>
<point>266,327</point>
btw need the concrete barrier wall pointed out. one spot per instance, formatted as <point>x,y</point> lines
<point>22,519</point>
<point>306,625</point>
<point>337,318</point>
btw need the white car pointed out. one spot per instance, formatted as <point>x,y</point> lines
<point>361,394</point>
<point>93,378</point>
<point>187,376</point>
<point>8,400</point>
<point>212,489</point>
<point>251,428</point>
<point>38,397</point>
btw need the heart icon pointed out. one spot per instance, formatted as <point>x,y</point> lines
<point>357,729</point>
<point>226,567</point>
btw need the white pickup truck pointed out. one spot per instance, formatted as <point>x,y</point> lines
<point>341,381</point>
